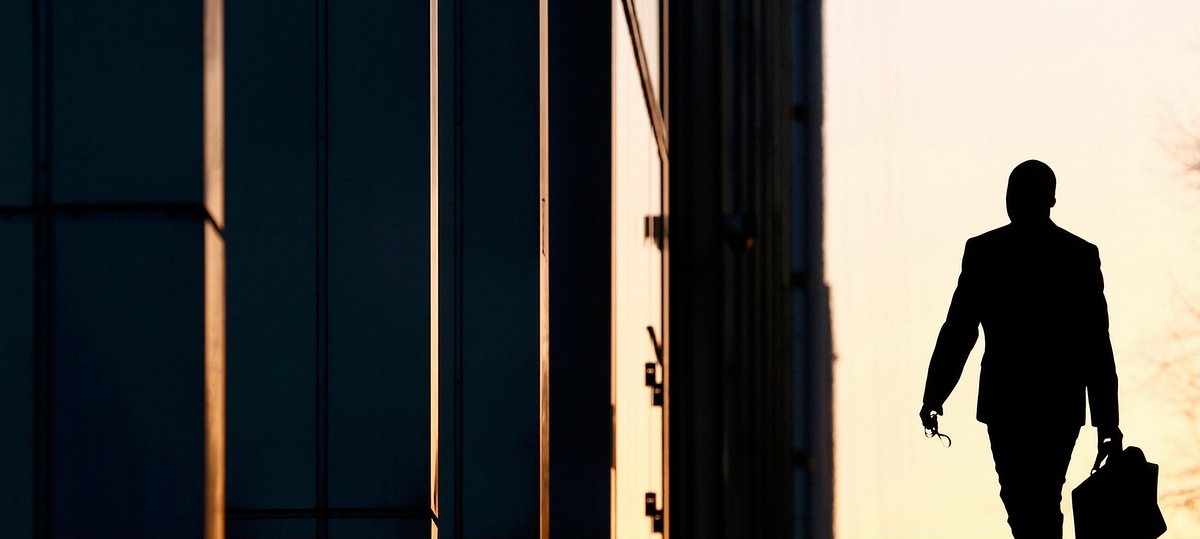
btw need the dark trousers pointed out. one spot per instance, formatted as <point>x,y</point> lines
<point>1031,463</point>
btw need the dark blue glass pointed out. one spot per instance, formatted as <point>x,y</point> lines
<point>127,97</point>
<point>360,528</point>
<point>271,241</point>
<point>16,103</point>
<point>379,254</point>
<point>16,377</point>
<point>289,528</point>
<point>128,378</point>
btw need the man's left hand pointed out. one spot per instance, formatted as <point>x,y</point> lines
<point>929,416</point>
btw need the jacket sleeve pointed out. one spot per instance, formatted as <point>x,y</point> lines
<point>958,334</point>
<point>1100,372</point>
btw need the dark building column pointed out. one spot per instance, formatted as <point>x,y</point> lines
<point>581,268</point>
<point>746,459</point>
<point>697,271</point>
<point>492,245</point>
<point>812,353</point>
<point>329,269</point>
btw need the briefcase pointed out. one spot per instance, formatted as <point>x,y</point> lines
<point>1119,500</point>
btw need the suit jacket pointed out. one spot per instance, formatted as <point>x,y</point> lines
<point>1038,292</point>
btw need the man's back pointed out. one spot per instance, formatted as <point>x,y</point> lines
<point>1039,298</point>
<point>1038,293</point>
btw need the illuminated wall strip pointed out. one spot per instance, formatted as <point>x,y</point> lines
<point>544,269</point>
<point>214,270</point>
<point>433,267</point>
<point>664,38</point>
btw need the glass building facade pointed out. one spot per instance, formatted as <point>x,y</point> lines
<point>377,269</point>
<point>112,336</point>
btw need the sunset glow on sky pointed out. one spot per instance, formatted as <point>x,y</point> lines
<point>929,105</point>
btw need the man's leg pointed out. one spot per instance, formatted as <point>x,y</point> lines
<point>1031,463</point>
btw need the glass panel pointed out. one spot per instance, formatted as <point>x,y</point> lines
<point>127,101</point>
<point>299,528</point>
<point>378,528</point>
<point>215,312</point>
<point>637,283</point>
<point>499,270</point>
<point>16,102</point>
<point>128,374</point>
<point>16,377</point>
<point>801,216</point>
<point>271,240</point>
<point>379,254</point>
<point>801,502</point>
<point>802,390</point>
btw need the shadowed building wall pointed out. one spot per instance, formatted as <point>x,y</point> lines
<point>490,235</point>
<point>750,436</point>
<point>335,218</point>
<point>104,217</point>
<point>328,166</point>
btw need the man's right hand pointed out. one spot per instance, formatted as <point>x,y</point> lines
<point>1108,444</point>
<point>1109,440</point>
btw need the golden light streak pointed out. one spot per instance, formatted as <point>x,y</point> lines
<point>214,384</point>
<point>214,270</point>
<point>214,110</point>
<point>434,395</point>
<point>544,266</point>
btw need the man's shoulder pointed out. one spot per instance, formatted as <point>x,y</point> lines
<point>1069,237</point>
<point>1075,245</point>
<point>991,237</point>
<point>1008,233</point>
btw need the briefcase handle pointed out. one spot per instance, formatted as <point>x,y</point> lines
<point>1100,458</point>
<point>1108,436</point>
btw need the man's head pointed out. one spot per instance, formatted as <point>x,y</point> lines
<point>1030,192</point>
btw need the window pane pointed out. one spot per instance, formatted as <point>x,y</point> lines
<point>16,377</point>
<point>362,528</point>
<point>298,528</point>
<point>128,375</point>
<point>379,254</point>
<point>499,269</point>
<point>16,102</point>
<point>271,241</point>
<point>127,101</point>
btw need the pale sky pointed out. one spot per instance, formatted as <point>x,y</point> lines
<point>929,105</point>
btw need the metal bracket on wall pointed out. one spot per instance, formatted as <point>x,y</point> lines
<point>654,511</point>
<point>652,369</point>
<point>653,383</point>
<point>653,226</point>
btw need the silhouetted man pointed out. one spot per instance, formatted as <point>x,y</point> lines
<point>1038,292</point>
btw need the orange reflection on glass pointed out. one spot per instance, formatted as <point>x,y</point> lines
<point>214,270</point>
